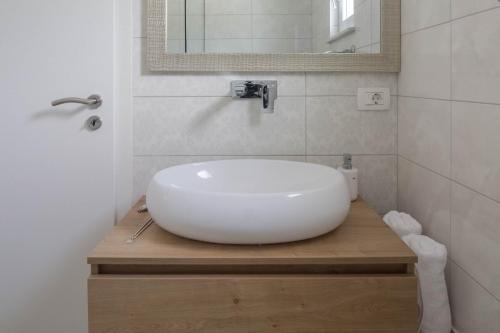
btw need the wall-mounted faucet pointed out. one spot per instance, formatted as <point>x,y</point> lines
<point>267,91</point>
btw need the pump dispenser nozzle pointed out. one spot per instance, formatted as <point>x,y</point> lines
<point>347,162</point>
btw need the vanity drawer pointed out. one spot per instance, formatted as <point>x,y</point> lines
<point>252,303</point>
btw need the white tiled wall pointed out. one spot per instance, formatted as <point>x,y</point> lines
<point>449,145</point>
<point>182,118</point>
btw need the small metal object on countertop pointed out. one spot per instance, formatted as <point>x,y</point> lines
<point>139,231</point>
<point>142,209</point>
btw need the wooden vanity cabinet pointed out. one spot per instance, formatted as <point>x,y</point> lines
<point>359,278</point>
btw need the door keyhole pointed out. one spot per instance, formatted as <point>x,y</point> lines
<point>94,123</point>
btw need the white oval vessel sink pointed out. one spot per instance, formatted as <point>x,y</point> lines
<point>248,201</point>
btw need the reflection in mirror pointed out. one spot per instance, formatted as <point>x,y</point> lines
<point>273,26</point>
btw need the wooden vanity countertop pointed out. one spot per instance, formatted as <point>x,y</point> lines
<point>362,239</point>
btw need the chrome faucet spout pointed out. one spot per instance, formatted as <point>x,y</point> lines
<point>265,90</point>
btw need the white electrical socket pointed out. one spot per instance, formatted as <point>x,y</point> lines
<point>374,99</point>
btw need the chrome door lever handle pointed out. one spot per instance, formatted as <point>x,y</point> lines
<point>94,101</point>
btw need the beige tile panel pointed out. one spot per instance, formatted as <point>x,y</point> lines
<point>228,26</point>
<point>475,147</point>
<point>335,126</point>
<point>330,84</point>
<point>225,7</point>
<point>424,127</point>
<point>419,14</point>
<point>476,50</point>
<point>426,196</point>
<point>281,26</point>
<point>425,63</point>
<point>475,236</point>
<point>473,309</point>
<point>281,6</point>
<point>218,126</point>
<point>461,8</point>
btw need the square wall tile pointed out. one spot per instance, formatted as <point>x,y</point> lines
<point>426,196</point>
<point>461,8</point>
<point>476,50</point>
<point>174,7</point>
<point>332,84</point>
<point>218,126</point>
<point>228,26</point>
<point>335,127</point>
<point>281,26</point>
<point>424,127</point>
<point>475,236</point>
<point>377,178</point>
<point>473,309</point>
<point>475,147</point>
<point>425,63</point>
<point>281,6</point>
<point>228,7</point>
<point>145,167</point>
<point>419,14</point>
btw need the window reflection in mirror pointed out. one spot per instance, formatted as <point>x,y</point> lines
<point>273,26</point>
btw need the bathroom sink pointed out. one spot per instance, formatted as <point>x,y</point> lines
<point>248,201</point>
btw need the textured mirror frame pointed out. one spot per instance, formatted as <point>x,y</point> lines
<point>389,60</point>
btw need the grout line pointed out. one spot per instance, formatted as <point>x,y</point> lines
<point>474,102</point>
<point>431,98</point>
<point>450,100</point>
<point>451,179</point>
<point>409,33</point>
<point>474,13</point>
<point>251,14</point>
<point>450,153</point>
<point>213,96</point>
<point>305,126</point>
<point>397,145</point>
<point>269,155</point>
<point>208,96</point>
<point>473,279</point>
<point>450,20</point>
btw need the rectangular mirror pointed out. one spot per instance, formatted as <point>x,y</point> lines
<point>272,26</point>
<point>273,35</point>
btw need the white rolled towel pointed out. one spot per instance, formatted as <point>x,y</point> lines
<point>435,306</point>
<point>402,223</point>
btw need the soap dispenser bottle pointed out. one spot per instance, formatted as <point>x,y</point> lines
<point>351,176</point>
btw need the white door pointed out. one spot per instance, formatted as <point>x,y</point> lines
<point>56,177</point>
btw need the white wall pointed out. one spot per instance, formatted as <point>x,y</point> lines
<point>123,126</point>
<point>449,139</point>
<point>180,118</point>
